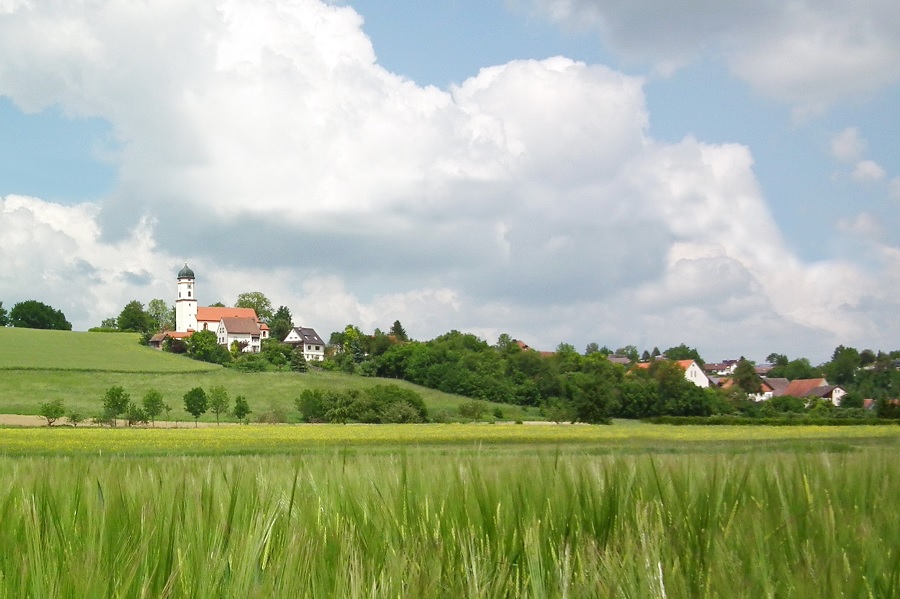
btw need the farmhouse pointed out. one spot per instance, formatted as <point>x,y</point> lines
<point>308,341</point>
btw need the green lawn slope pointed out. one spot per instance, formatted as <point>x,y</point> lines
<point>31,349</point>
<point>78,368</point>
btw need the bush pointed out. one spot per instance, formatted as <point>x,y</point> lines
<point>52,411</point>
<point>472,410</point>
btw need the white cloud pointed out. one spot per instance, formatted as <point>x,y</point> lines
<point>808,53</point>
<point>848,145</point>
<point>868,171</point>
<point>264,144</point>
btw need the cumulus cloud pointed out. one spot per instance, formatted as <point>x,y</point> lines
<point>848,146</point>
<point>867,171</point>
<point>808,53</point>
<point>263,143</point>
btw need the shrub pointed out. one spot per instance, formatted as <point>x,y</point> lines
<point>472,410</point>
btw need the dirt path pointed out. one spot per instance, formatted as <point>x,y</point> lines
<point>23,420</point>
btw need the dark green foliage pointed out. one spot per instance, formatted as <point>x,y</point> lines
<point>74,418</point>
<point>888,408</point>
<point>204,346</point>
<point>135,415</point>
<point>195,403</point>
<point>218,401</point>
<point>784,404</point>
<point>398,332</point>
<point>784,420</point>
<point>281,324</point>
<point>135,319</point>
<point>842,368</point>
<point>4,316</point>
<point>251,363</point>
<point>258,301</point>
<point>241,408</point>
<point>276,353</point>
<point>473,410</point>
<point>52,411</point>
<point>153,404</point>
<point>298,361</point>
<point>746,378</point>
<point>115,402</point>
<point>683,352</point>
<point>378,404</point>
<point>33,314</point>
<point>795,369</point>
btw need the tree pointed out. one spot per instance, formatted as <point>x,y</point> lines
<point>75,417</point>
<point>591,348</point>
<point>281,324</point>
<point>842,368</point>
<point>52,411</point>
<point>204,346</point>
<point>33,314</point>
<point>241,408</point>
<point>683,352</point>
<point>134,318</point>
<point>645,357</point>
<point>115,402</point>
<point>153,404</point>
<point>777,359</point>
<point>161,314</point>
<point>629,351</point>
<point>259,302</point>
<point>218,401</point>
<point>134,414</point>
<point>746,378</point>
<point>298,360</point>
<point>109,324</point>
<point>398,331</point>
<point>195,403</point>
<point>4,316</point>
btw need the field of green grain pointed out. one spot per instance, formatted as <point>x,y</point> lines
<point>465,522</point>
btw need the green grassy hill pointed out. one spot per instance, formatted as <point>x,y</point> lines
<point>22,349</point>
<point>78,368</point>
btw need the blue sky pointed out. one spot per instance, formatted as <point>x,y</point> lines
<point>730,174</point>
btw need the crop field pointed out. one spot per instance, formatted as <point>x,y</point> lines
<point>299,439</point>
<point>468,521</point>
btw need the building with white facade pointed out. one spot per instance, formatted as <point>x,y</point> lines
<point>309,343</point>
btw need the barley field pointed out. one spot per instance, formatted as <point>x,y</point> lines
<point>462,522</point>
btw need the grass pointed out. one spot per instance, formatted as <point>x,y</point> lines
<point>598,440</point>
<point>31,349</point>
<point>78,368</point>
<point>471,524</point>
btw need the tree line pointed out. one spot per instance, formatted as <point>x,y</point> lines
<point>32,314</point>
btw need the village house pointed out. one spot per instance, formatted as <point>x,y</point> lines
<point>692,372</point>
<point>309,343</point>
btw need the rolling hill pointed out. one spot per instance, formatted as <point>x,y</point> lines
<point>77,368</point>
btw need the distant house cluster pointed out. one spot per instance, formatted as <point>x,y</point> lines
<point>240,326</point>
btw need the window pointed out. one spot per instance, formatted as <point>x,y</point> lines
<point>205,326</point>
<point>189,294</point>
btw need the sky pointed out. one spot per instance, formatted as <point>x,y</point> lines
<point>707,172</point>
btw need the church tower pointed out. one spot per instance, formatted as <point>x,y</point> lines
<point>186,303</point>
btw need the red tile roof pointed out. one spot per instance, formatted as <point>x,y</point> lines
<point>205,314</point>
<point>803,387</point>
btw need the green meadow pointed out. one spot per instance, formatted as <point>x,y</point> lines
<point>78,368</point>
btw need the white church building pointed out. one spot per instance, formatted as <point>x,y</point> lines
<point>231,325</point>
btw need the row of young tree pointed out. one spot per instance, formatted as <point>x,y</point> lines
<point>117,404</point>
<point>32,314</point>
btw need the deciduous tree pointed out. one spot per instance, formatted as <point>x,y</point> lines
<point>281,324</point>
<point>746,378</point>
<point>4,316</point>
<point>195,403</point>
<point>115,402</point>
<point>32,314</point>
<point>52,411</point>
<point>259,302</point>
<point>153,404</point>
<point>218,401</point>
<point>134,318</point>
<point>162,315</point>
<point>241,408</point>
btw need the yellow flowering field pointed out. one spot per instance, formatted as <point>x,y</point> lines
<point>268,439</point>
